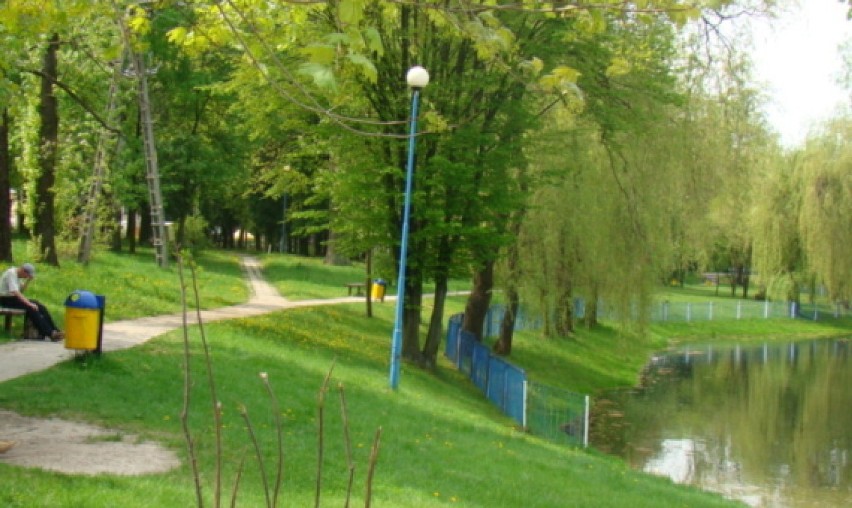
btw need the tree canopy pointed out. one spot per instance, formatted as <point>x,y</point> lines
<point>568,149</point>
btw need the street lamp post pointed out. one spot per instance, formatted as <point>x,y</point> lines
<point>417,78</point>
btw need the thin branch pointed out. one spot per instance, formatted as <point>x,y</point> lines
<point>374,458</point>
<point>237,479</point>
<point>214,399</point>
<point>276,411</point>
<point>320,430</point>
<point>338,119</point>
<point>71,93</point>
<point>258,454</point>
<point>187,383</point>
<point>347,441</point>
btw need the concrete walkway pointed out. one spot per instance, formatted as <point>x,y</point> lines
<point>23,357</point>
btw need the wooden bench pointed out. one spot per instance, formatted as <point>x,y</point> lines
<point>357,286</point>
<point>8,314</point>
<point>716,278</point>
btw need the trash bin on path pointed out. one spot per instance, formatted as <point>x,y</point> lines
<point>84,319</point>
<point>378,291</point>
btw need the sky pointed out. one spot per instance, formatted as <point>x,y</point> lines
<point>799,59</point>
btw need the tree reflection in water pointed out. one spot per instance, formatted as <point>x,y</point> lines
<point>769,425</point>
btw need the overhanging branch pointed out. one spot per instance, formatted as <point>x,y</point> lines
<point>79,100</point>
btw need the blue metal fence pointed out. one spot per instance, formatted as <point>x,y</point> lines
<point>560,415</point>
<point>500,381</point>
<point>506,388</point>
<point>505,385</point>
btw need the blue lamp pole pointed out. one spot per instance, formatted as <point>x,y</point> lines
<point>417,78</point>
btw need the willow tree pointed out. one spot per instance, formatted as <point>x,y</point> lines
<point>825,216</point>
<point>597,228</point>
<point>778,256</point>
<point>801,217</point>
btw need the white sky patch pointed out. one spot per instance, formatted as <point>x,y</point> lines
<point>799,59</point>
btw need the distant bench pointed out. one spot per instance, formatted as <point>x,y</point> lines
<point>716,277</point>
<point>357,286</point>
<point>8,314</point>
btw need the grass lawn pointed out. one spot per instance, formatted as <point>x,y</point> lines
<point>300,278</point>
<point>442,444</point>
<point>132,283</point>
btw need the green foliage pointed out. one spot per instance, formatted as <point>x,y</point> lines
<point>195,233</point>
<point>825,225</point>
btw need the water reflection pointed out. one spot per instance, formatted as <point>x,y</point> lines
<point>769,425</point>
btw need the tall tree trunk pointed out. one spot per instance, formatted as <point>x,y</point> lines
<point>564,315</point>
<point>21,218</point>
<point>145,223</point>
<point>5,191</point>
<point>331,256</point>
<point>434,335</point>
<point>130,234</point>
<point>369,276</point>
<point>45,227</point>
<point>479,300</point>
<point>116,229</point>
<point>436,322</point>
<point>411,316</point>
<point>503,346</point>
<point>747,274</point>
<point>590,313</point>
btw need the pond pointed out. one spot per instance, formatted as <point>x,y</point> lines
<point>769,425</point>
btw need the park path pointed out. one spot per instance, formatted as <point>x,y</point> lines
<point>23,357</point>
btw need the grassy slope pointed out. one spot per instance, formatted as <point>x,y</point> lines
<point>441,443</point>
<point>133,285</point>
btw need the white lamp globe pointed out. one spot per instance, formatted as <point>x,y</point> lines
<point>417,77</point>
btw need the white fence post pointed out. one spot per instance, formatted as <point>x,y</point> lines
<point>739,309</point>
<point>586,426</point>
<point>710,312</point>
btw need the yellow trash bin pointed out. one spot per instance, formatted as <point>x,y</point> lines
<point>83,320</point>
<point>378,292</point>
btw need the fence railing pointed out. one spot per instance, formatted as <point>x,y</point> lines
<point>679,312</point>
<point>554,414</point>
<point>742,309</point>
<point>563,416</point>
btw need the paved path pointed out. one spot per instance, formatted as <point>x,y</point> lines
<point>23,357</point>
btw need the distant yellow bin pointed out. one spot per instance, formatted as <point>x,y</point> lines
<point>83,320</point>
<point>378,291</point>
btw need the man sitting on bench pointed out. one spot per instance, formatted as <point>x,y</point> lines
<point>12,297</point>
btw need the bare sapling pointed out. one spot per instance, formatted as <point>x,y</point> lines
<point>272,490</point>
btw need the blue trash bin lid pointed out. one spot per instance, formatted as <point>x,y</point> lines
<point>82,300</point>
